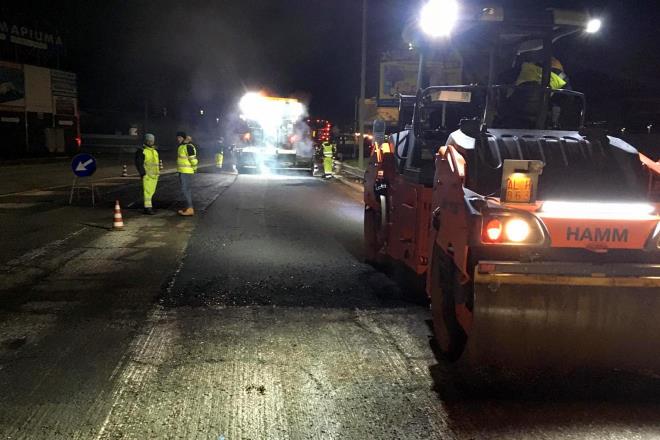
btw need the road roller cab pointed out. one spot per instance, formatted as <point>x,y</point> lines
<point>539,238</point>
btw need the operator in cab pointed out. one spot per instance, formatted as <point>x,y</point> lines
<point>532,73</point>
<point>524,101</point>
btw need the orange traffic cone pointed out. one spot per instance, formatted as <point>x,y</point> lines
<point>118,222</point>
<point>124,171</point>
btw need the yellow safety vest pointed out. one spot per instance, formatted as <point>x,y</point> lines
<point>530,72</point>
<point>186,164</point>
<point>328,149</point>
<point>151,161</point>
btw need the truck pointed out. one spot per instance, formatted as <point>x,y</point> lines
<point>276,136</point>
<point>535,235</point>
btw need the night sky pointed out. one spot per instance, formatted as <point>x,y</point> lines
<point>186,55</point>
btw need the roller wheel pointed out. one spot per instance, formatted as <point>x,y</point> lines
<point>450,337</point>
<point>374,231</point>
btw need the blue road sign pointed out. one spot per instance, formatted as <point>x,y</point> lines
<point>83,165</point>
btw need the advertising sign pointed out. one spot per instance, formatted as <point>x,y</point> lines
<point>400,77</point>
<point>19,34</point>
<point>389,115</point>
<point>12,85</point>
<point>65,106</point>
<point>38,94</point>
<point>64,83</point>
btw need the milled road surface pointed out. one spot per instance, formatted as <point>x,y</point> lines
<point>255,320</point>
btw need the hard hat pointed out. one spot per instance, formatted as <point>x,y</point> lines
<point>556,64</point>
<point>150,137</point>
<point>181,134</point>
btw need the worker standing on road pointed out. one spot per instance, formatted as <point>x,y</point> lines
<point>147,164</point>
<point>186,164</point>
<point>220,153</point>
<point>329,150</point>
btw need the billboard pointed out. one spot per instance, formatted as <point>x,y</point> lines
<point>32,38</point>
<point>400,77</point>
<point>390,115</point>
<point>64,83</point>
<point>12,85</point>
<point>38,94</point>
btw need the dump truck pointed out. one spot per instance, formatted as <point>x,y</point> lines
<point>276,137</point>
<point>537,237</point>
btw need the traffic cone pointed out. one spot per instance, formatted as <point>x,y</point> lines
<point>160,164</point>
<point>118,222</point>
<point>124,171</point>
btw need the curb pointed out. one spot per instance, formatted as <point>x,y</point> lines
<point>355,186</point>
<point>351,171</point>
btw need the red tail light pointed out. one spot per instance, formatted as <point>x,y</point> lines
<point>493,231</point>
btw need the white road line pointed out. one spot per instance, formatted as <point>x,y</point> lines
<point>129,373</point>
<point>22,205</point>
<point>43,250</point>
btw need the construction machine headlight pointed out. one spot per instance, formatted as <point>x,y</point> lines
<point>438,17</point>
<point>509,228</point>
<point>598,210</point>
<point>517,230</point>
<point>594,25</point>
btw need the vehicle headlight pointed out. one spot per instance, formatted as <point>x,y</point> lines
<point>506,228</point>
<point>517,230</point>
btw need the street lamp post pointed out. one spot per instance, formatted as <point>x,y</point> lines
<point>363,86</point>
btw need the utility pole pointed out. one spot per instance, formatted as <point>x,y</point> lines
<point>146,115</point>
<point>363,86</point>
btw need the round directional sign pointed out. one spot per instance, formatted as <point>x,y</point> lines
<point>83,165</point>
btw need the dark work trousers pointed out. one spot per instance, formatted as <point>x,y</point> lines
<point>186,188</point>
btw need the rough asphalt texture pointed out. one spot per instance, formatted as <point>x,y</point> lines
<point>256,320</point>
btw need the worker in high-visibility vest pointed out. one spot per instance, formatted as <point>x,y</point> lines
<point>329,150</point>
<point>186,164</point>
<point>220,153</point>
<point>531,73</point>
<point>147,164</point>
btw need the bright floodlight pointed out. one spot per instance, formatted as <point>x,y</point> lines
<point>596,210</point>
<point>594,25</point>
<point>438,17</point>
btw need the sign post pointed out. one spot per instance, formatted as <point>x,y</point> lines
<point>83,165</point>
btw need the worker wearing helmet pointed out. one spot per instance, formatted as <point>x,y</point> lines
<point>329,150</point>
<point>532,73</point>
<point>186,166</point>
<point>524,103</point>
<point>220,153</point>
<point>147,164</point>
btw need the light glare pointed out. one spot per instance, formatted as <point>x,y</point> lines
<point>595,210</point>
<point>438,17</point>
<point>594,25</point>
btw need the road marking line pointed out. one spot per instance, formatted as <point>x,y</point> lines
<point>43,250</point>
<point>19,205</point>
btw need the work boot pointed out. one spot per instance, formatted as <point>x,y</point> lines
<point>187,212</point>
<point>149,211</point>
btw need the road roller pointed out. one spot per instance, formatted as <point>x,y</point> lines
<point>537,235</point>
